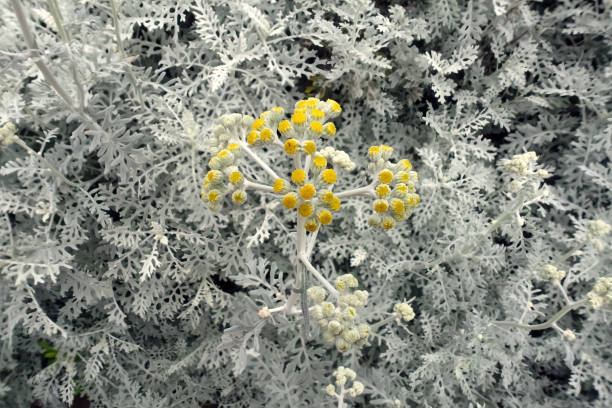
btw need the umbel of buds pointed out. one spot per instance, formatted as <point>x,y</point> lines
<point>342,376</point>
<point>314,171</point>
<point>338,322</point>
<point>601,295</point>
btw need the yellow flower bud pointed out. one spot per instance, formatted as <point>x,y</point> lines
<point>309,147</point>
<point>279,185</point>
<point>284,126</point>
<point>325,217</point>
<point>319,162</point>
<point>298,176</point>
<point>311,225</point>
<point>330,129</point>
<point>307,191</point>
<point>385,176</point>
<point>380,206</point>
<point>291,146</point>
<point>235,177</point>
<point>258,124</point>
<point>290,200</point>
<point>305,209</point>
<point>266,135</point>
<point>329,176</point>
<point>298,118</point>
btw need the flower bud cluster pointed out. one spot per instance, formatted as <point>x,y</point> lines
<point>394,187</point>
<point>404,310</point>
<point>551,273</point>
<point>224,177</point>
<point>310,194</point>
<point>7,134</point>
<point>309,190</point>
<point>338,158</point>
<point>597,228</point>
<point>521,164</point>
<point>528,176</point>
<point>230,129</point>
<point>264,129</point>
<point>308,123</point>
<point>601,295</point>
<point>338,322</point>
<point>342,375</point>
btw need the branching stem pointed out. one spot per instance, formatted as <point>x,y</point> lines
<point>367,191</point>
<point>547,324</point>
<point>245,148</point>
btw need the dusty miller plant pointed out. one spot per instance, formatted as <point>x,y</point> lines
<point>125,282</point>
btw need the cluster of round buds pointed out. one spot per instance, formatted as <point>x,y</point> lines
<point>310,194</point>
<point>229,130</point>
<point>601,295</point>
<point>394,188</point>
<point>521,164</point>
<point>307,124</point>
<point>7,134</point>
<point>264,129</point>
<point>404,311</point>
<point>597,228</point>
<point>342,376</point>
<point>551,273</point>
<point>338,158</point>
<point>527,175</point>
<point>224,178</point>
<point>338,322</point>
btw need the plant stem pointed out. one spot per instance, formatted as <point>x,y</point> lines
<point>249,185</point>
<point>550,322</point>
<point>57,17</point>
<point>367,190</point>
<point>54,170</point>
<point>383,322</point>
<point>122,51</point>
<point>318,276</point>
<point>35,54</point>
<point>245,148</point>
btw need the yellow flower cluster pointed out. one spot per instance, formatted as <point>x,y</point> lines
<point>224,178</point>
<point>264,129</point>
<point>309,189</point>
<point>307,124</point>
<point>338,322</point>
<point>395,187</point>
<point>310,195</point>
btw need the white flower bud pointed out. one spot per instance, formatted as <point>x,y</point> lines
<point>569,335</point>
<point>329,337</point>
<point>362,297</point>
<point>405,310</point>
<point>264,313</point>
<point>550,272</point>
<point>327,308</point>
<point>351,336</point>
<point>317,312</point>
<point>356,389</point>
<point>342,345</point>
<point>317,294</point>
<point>335,327</point>
<point>597,228</point>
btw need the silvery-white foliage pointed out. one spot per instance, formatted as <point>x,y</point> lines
<point>119,285</point>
